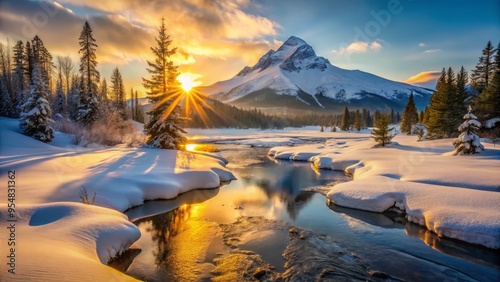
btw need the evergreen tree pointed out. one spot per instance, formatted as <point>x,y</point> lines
<point>484,69</point>
<point>73,98</point>
<point>88,107</point>
<point>468,142</point>
<point>6,108</point>
<point>35,120</point>
<point>421,116</point>
<point>438,108</point>
<point>410,116</point>
<point>489,100</point>
<point>60,101</point>
<point>29,60</point>
<point>382,132</point>
<point>139,115</point>
<point>393,117</point>
<point>344,124</point>
<point>163,129</point>
<point>358,120</point>
<point>20,83</point>
<point>118,91</point>
<point>103,92</point>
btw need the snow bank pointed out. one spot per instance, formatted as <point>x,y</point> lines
<point>454,196</point>
<point>79,238</point>
<point>465,214</point>
<point>120,177</point>
<point>56,231</point>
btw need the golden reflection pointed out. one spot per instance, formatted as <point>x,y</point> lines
<point>181,242</point>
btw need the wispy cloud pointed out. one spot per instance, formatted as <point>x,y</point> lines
<point>432,51</point>
<point>421,44</point>
<point>358,47</point>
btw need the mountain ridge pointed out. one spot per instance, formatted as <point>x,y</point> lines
<point>295,68</point>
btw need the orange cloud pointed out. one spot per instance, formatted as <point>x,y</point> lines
<point>204,32</point>
<point>423,77</point>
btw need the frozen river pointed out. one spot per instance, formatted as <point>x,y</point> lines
<point>183,238</point>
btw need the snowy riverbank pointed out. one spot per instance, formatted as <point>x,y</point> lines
<point>453,196</point>
<point>55,230</point>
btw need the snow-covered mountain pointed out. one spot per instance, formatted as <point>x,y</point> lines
<point>294,76</point>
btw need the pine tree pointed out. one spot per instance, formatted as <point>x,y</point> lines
<point>60,101</point>
<point>20,83</point>
<point>73,98</point>
<point>382,132</point>
<point>35,120</point>
<point>344,124</point>
<point>468,142</point>
<point>489,100</point>
<point>103,92</point>
<point>6,108</point>
<point>139,115</point>
<point>358,124</point>
<point>88,107</point>
<point>118,91</point>
<point>410,116</point>
<point>421,117</point>
<point>163,129</point>
<point>484,69</point>
<point>438,108</point>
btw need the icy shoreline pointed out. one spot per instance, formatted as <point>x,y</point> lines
<point>452,196</point>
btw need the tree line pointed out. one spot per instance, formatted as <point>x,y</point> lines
<point>47,95</point>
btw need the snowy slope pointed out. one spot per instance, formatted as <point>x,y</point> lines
<point>295,68</point>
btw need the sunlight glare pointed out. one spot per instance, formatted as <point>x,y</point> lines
<point>190,147</point>
<point>188,80</point>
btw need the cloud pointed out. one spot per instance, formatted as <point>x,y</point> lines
<point>202,30</point>
<point>425,78</point>
<point>432,51</point>
<point>358,47</point>
<point>421,44</point>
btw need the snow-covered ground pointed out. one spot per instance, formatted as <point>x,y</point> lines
<point>56,231</point>
<point>453,196</point>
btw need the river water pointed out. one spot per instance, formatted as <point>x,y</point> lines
<point>181,237</point>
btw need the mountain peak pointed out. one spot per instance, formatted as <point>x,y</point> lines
<point>294,41</point>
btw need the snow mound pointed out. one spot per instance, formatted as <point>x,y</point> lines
<point>91,237</point>
<point>464,214</point>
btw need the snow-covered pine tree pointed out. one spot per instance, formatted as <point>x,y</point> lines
<point>35,119</point>
<point>88,107</point>
<point>382,132</point>
<point>410,116</point>
<point>163,129</point>
<point>468,142</point>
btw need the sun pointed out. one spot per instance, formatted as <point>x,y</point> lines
<point>188,80</point>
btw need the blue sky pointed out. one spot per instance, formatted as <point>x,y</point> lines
<point>216,39</point>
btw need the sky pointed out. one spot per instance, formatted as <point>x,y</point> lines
<point>402,40</point>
